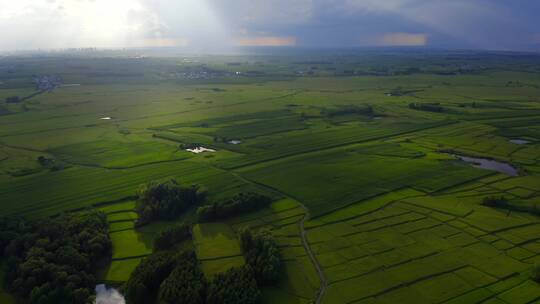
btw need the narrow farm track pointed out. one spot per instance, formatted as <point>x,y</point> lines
<point>322,278</point>
<point>323,282</point>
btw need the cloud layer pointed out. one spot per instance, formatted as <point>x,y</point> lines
<point>215,25</point>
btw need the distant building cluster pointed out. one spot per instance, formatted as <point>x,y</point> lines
<point>47,82</point>
<point>201,74</point>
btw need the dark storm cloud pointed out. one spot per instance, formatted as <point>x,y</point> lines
<point>494,24</point>
<point>218,24</point>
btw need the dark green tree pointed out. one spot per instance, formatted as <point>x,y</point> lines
<point>168,238</point>
<point>52,260</point>
<point>262,254</point>
<point>143,284</point>
<point>236,285</point>
<point>186,284</point>
<point>495,201</point>
<point>166,200</point>
<point>238,204</point>
<point>536,273</point>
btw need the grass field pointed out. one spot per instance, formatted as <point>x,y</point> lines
<point>81,186</point>
<point>371,205</point>
<point>356,176</point>
<point>217,248</point>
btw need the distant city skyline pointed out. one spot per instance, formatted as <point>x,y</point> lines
<point>216,25</point>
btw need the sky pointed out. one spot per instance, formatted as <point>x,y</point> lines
<point>218,25</point>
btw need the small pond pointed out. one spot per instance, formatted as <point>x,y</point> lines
<point>489,164</point>
<point>518,141</point>
<point>235,142</point>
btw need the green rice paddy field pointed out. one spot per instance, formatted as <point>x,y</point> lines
<point>371,205</point>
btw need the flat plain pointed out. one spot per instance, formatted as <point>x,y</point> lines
<point>371,204</point>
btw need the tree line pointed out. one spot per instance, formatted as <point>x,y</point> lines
<point>348,110</point>
<point>238,204</point>
<point>166,200</point>
<point>13,99</point>
<point>502,202</point>
<point>176,278</point>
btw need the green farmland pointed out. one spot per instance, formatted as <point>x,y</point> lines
<point>371,201</point>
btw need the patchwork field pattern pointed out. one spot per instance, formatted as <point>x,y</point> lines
<point>129,245</point>
<point>414,252</point>
<point>371,204</point>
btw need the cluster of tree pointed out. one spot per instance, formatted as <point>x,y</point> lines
<point>13,99</point>
<point>236,285</point>
<point>166,200</point>
<point>184,146</point>
<point>12,230</point>
<point>175,278</point>
<point>348,110</point>
<point>262,255</point>
<point>446,73</point>
<point>223,139</point>
<point>472,105</point>
<point>399,91</point>
<point>503,203</point>
<point>429,107</point>
<point>44,161</point>
<point>514,84</point>
<point>186,284</point>
<point>144,282</point>
<point>535,275</point>
<point>53,260</point>
<point>240,203</point>
<point>170,237</point>
<point>495,201</point>
<point>50,163</point>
